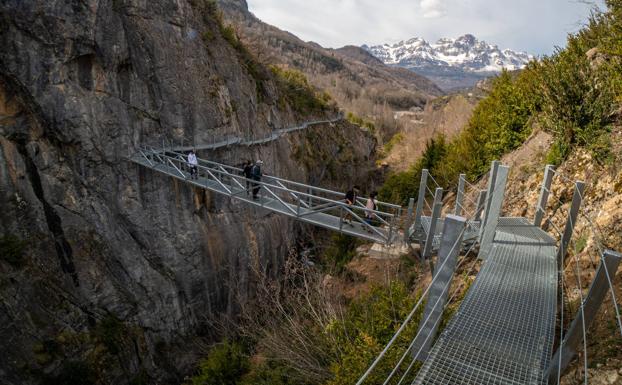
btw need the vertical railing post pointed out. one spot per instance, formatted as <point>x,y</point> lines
<point>340,218</point>
<point>494,168</point>
<point>437,296</point>
<point>460,195</point>
<point>609,263</point>
<point>492,218</point>
<point>436,213</point>
<point>481,201</point>
<point>409,219</point>
<point>577,198</point>
<point>420,199</point>
<point>549,171</point>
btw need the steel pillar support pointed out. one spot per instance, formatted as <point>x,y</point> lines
<point>492,218</point>
<point>420,199</point>
<point>409,219</point>
<point>494,168</point>
<point>436,213</point>
<point>585,316</point>
<point>481,201</point>
<point>460,195</point>
<point>438,293</point>
<point>549,171</point>
<point>577,198</point>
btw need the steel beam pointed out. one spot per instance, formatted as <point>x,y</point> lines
<point>494,167</point>
<point>492,218</point>
<point>573,212</point>
<point>436,213</point>
<point>585,316</point>
<point>420,199</point>
<point>549,171</point>
<point>409,219</point>
<point>481,201</point>
<point>460,195</point>
<point>438,293</point>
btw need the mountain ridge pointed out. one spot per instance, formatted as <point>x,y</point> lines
<point>451,63</point>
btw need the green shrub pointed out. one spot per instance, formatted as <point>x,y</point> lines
<point>339,253</point>
<point>557,153</point>
<point>397,138</point>
<point>110,332</point>
<point>363,123</point>
<point>401,186</point>
<point>73,373</point>
<point>369,323</point>
<point>225,364</point>
<point>12,250</point>
<point>270,372</point>
<point>296,91</point>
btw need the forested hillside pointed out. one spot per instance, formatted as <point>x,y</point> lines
<point>573,94</point>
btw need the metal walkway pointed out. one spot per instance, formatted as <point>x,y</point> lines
<point>309,204</point>
<point>503,331</point>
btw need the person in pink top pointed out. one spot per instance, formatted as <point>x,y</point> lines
<point>370,206</point>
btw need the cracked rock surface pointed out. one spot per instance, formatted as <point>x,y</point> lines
<point>122,267</point>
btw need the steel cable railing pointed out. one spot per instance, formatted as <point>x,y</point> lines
<point>574,249</point>
<point>225,176</point>
<point>405,374</point>
<point>409,317</point>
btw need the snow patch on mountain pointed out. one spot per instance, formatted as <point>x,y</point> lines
<point>466,53</point>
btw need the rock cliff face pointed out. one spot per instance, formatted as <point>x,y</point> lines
<point>108,271</point>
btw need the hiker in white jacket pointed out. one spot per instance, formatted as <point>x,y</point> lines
<point>193,163</point>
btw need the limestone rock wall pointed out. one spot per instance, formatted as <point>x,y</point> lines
<point>121,267</point>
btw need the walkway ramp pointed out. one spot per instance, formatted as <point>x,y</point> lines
<point>504,329</point>
<point>309,204</point>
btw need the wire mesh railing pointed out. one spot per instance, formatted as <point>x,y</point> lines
<point>299,200</point>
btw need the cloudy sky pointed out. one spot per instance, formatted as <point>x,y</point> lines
<point>535,26</point>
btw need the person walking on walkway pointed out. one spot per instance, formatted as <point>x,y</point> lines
<point>256,175</point>
<point>193,163</point>
<point>247,171</point>
<point>371,206</point>
<point>350,200</point>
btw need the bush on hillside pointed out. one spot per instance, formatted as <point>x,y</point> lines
<point>298,93</point>
<point>573,95</point>
<point>225,364</point>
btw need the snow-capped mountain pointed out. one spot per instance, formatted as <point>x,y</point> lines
<point>466,53</point>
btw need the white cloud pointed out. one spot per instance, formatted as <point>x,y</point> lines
<point>432,9</point>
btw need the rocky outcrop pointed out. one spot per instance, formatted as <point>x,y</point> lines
<point>114,268</point>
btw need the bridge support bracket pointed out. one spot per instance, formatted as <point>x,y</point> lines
<point>437,297</point>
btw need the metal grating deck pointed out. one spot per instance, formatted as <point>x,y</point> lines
<point>504,329</point>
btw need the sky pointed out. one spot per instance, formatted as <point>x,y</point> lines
<point>534,26</point>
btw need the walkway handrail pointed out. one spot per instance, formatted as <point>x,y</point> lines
<point>338,203</point>
<point>298,184</point>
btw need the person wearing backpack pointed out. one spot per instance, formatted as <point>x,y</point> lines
<point>248,174</point>
<point>350,200</point>
<point>256,175</point>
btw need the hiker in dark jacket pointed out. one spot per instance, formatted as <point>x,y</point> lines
<point>256,175</point>
<point>247,172</point>
<point>350,200</point>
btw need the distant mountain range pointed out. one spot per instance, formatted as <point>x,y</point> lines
<point>451,63</point>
